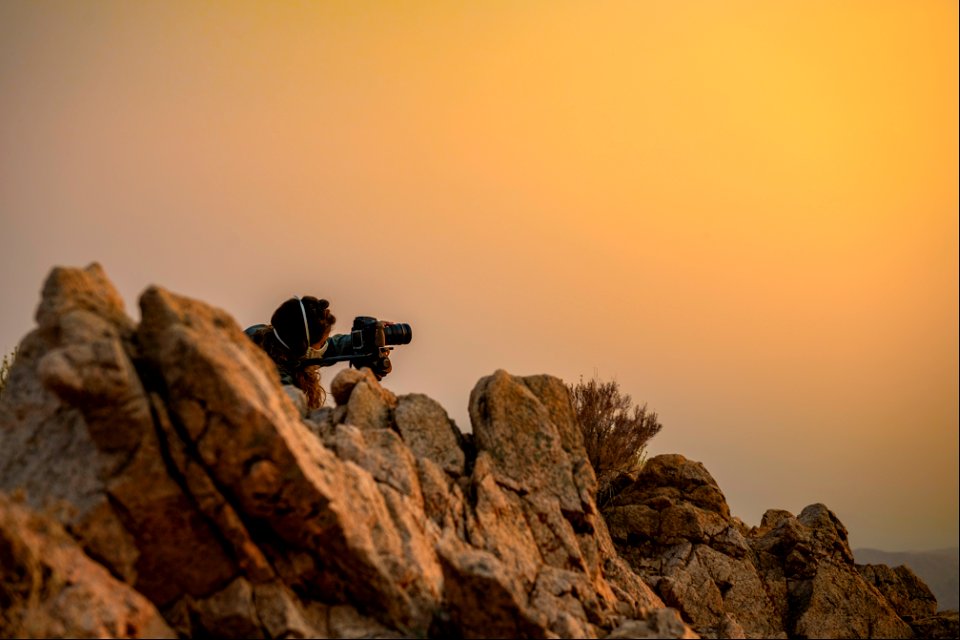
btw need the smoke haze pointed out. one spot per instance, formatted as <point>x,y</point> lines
<point>745,212</point>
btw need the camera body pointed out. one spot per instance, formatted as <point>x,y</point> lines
<point>370,335</point>
<point>372,340</point>
<point>370,343</point>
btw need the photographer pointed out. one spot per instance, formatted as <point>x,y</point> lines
<point>297,336</point>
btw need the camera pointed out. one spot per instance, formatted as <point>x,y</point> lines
<point>369,345</point>
<point>370,339</point>
<point>369,334</point>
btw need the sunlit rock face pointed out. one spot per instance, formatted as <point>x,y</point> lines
<point>50,588</point>
<point>179,472</point>
<point>673,526</point>
<point>157,480</point>
<point>789,577</point>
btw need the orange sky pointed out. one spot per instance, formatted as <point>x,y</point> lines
<point>746,212</point>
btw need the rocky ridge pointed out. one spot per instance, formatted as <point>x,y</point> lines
<point>793,576</point>
<point>158,482</point>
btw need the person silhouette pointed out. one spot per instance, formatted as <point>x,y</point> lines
<point>299,330</point>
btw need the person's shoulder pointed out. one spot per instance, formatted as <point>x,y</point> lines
<point>255,331</point>
<point>339,345</point>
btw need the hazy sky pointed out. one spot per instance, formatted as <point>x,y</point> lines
<point>745,212</point>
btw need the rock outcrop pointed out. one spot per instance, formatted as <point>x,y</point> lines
<point>191,484</point>
<point>50,588</point>
<point>159,481</point>
<point>912,600</point>
<point>789,577</point>
<point>673,526</point>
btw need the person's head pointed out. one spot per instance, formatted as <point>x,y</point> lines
<point>301,323</point>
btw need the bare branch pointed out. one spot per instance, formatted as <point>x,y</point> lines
<point>615,433</point>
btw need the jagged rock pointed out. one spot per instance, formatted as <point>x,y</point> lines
<point>343,621</point>
<point>48,454</point>
<point>673,525</point>
<point>180,462</point>
<point>808,559</point>
<point>368,404</point>
<point>834,602</point>
<point>946,624</point>
<point>322,422</point>
<point>190,455</point>
<point>483,600</point>
<point>297,397</point>
<point>244,610</point>
<point>282,615</point>
<point>534,513</point>
<point>789,577</point>
<point>429,433</point>
<point>908,595</point>
<point>343,383</point>
<point>276,472</point>
<point>85,440</point>
<point>50,588</point>
<point>443,499</point>
<point>662,623</point>
<point>514,429</point>
<point>176,460</point>
<point>229,612</point>
<point>382,454</point>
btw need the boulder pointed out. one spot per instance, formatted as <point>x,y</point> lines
<point>673,525</point>
<point>49,588</point>
<point>429,432</point>
<point>171,485</point>
<point>789,577</point>
<point>908,595</point>
<point>175,464</point>
<point>662,623</point>
<point>368,405</point>
<point>79,438</point>
<point>272,470</point>
<point>535,517</point>
<point>808,561</point>
<point>912,599</point>
<point>945,624</point>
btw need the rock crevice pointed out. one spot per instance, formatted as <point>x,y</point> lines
<point>172,454</point>
<point>789,577</point>
<point>167,480</point>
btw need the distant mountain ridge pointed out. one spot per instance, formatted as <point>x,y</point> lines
<point>939,568</point>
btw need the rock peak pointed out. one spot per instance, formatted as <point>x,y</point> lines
<point>165,480</point>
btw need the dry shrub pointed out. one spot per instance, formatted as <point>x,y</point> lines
<point>615,433</point>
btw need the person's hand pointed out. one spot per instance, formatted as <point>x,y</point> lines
<point>378,366</point>
<point>381,367</point>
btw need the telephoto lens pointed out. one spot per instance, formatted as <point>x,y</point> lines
<point>398,333</point>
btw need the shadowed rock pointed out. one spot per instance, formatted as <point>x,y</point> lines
<point>176,475</point>
<point>175,458</point>
<point>790,577</point>
<point>673,526</point>
<point>50,588</point>
<point>908,595</point>
<point>429,433</point>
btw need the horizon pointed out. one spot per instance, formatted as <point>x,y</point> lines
<point>930,551</point>
<point>746,214</point>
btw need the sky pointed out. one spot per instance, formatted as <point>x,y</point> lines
<point>745,213</point>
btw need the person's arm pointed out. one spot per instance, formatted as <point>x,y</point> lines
<point>256,333</point>
<point>286,376</point>
<point>342,345</point>
<point>339,345</point>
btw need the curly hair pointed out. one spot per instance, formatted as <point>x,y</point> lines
<point>307,380</point>
<point>292,330</point>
